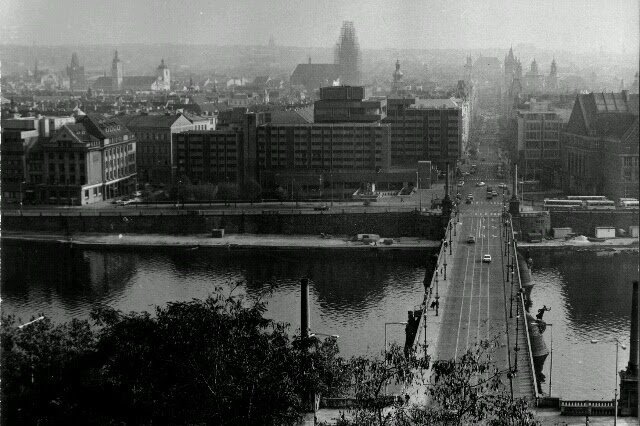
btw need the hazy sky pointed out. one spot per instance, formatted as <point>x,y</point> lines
<point>574,25</point>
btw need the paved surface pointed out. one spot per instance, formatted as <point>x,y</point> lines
<point>476,300</point>
<point>234,240</point>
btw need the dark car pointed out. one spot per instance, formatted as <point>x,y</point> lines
<point>323,207</point>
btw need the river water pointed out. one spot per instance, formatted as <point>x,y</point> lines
<point>589,295</point>
<point>352,298</point>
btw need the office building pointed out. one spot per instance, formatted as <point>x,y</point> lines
<point>538,143</point>
<point>347,104</point>
<point>212,156</point>
<point>155,146</point>
<point>424,130</point>
<point>599,148</point>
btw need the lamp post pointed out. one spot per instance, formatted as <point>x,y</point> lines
<point>21,194</point>
<point>450,240</point>
<point>551,360</point>
<point>615,392</point>
<point>437,295</point>
<point>385,346</point>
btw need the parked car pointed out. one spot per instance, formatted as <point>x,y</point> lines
<point>471,239</point>
<point>480,184</point>
<point>468,201</point>
<point>322,207</point>
<point>470,196</point>
<point>494,193</point>
<point>486,258</point>
<point>502,185</point>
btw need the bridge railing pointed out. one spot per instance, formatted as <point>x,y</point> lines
<point>523,310</point>
<point>431,293</point>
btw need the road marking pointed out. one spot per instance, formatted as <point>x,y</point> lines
<point>464,286</point>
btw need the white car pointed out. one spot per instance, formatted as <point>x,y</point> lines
<point>502,185</point>
<point>480,184</point>
<point>486,258</point>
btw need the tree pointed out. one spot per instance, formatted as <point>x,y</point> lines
<point>214,361</point>
<point>251,190</point>
<point>467,390</point>
<point>227,191</point>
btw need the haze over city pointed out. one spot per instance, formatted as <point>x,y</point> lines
<point>261,212</point>
<point>571,25</point>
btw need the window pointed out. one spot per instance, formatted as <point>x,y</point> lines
<point>86,193</point>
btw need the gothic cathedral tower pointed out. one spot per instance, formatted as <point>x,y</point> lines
<point>116,73</point>
<point>163,76</point>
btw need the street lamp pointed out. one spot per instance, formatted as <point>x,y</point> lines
<point>385,345</point>
<point>551,360</point>
<point>437,295</point>
<point>615,394</point>
<point>450,240</point>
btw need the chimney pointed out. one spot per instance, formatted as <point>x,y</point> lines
<point>633,350</point>
<point>304,308</point>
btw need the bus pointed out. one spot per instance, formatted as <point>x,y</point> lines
<point>600,205</point>
<point>551,204</point>
<point>587,197</point>
<point>628,203</point>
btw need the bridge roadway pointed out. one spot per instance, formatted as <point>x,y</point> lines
<point>477,303</point>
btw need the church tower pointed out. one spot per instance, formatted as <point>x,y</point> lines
<point>397,77</point>
<point>116,73</point>
<point>468,69</point>
<point>552,80</point>
<point>164,76</point>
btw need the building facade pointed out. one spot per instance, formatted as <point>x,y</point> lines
<point>91,160</point>
<point>347,104</point>
<point>538,143</point>
<point>599,149</point>
<point>20,137</point>
<point>211,156</point>
<point>319,156</point>
<point>424,130</point>
<point>155,148</point>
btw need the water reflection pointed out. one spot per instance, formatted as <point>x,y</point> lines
<point>352,297</point>
<point>590,298</point>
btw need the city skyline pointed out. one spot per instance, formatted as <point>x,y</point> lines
<point>380,25</point>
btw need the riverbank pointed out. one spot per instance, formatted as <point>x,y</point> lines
<point>613,245</point>
<point>229,242</point>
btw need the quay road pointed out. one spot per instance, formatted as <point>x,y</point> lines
<point>477,305</point>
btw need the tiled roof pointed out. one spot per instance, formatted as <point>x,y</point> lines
<point>149,120</point>
<point>314,74</point>
<point>605,114</point>
<point>103,127</point>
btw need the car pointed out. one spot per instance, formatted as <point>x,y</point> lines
<point>468,201</point>
<point>470,196</point>
<point>461,183</point>
<point>480,184</point>
<point>494,193</point>
<point>137,194</point>
<point>502,185</point>
<point>322,207</point>
<point>471,239</point>
<point>486,258</point>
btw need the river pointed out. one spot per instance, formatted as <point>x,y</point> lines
<point>352,298</point>
<point>589,295</point>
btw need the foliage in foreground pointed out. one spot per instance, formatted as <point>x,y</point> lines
<point>214,361</point>
<point>467,390</point>
<point>219,361</point>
